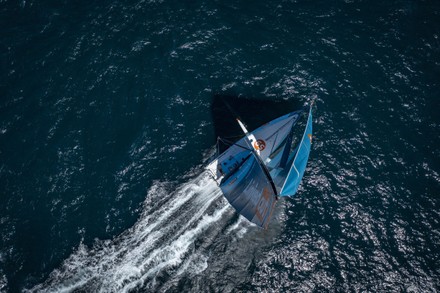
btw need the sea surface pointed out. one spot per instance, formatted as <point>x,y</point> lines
<point>107,122</point>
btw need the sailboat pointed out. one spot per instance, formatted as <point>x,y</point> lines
<point>264,165</point>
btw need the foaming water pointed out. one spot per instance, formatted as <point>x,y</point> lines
<point>160,241</point>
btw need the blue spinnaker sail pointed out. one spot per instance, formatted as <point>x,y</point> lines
<point>249,191</point>
<point>298,167</point>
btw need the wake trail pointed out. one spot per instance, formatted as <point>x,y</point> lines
<point>161,242</point>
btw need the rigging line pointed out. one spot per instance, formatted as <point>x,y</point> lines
<point>267,173</point>
<point>258,158</point>
<point>233,137</point>
<point>230,143</point>
<point>233,112</point>
<point>218,145</point>
<point>261,163</point>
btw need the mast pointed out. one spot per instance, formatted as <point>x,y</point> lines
<point>257,157</point>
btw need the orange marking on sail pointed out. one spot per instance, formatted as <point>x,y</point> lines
<point>264,197</point>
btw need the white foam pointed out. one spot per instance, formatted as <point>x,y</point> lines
<point>162,239</point>
<point>194,265</point>
<point>3,282</point>
<point>172,254</point>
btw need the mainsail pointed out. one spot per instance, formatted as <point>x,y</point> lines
<point>262,165</point>
<point>249,191</point>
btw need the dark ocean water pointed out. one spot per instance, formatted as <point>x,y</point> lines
<point>106,125</point>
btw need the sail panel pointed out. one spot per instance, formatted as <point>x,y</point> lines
<point>298,167</point>
<point>272,134</point>
<point>250,193</point>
